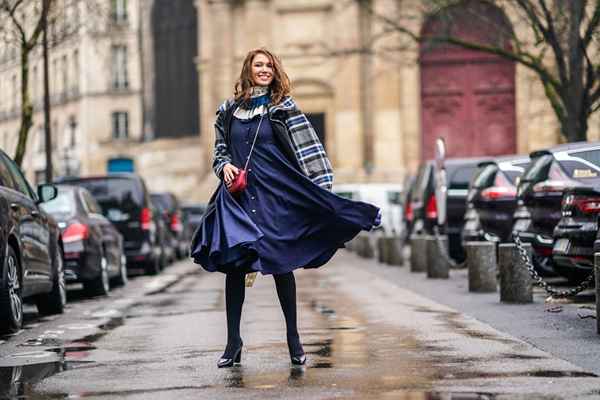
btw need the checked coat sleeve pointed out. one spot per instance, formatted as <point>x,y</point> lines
<point>221,155</point>
<point>310,153</point>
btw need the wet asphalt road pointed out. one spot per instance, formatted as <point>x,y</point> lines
<point>366,338</point>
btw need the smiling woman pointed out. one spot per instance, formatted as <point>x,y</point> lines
<point>285,218</point>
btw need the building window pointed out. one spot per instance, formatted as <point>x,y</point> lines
<point>120,125</point>
<point>119,10</point>
<point>34,84</point>
<point>65,75</point>
<point>76,71</point>
<point>41,142</point>
<point>15,92</point>
<point>119,67</point>
<point>72,132</point>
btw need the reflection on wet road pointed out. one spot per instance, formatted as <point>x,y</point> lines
<point>360,345</point>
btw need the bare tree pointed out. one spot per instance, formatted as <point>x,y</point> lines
<point>558,40</point>
<point>23,25</point>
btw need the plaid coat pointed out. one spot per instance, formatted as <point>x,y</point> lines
<point>295,134</point>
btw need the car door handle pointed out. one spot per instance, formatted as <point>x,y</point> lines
<point>14,206</point>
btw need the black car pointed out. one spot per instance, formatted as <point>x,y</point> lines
<point>540,192</point>
<point>192,217</point>
<point>30,249</point>
<point>165,236</point>
<point>93,247</point>
<point>576,231</point>
<point>459,172</point>
<point>492,199</point>
<point>125,201</point>
<point>407,212</point>
<point>169,205</point>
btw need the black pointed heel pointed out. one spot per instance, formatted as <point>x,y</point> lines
<point>225,362</point>
<point>297,355</point>
<point>299,360</point>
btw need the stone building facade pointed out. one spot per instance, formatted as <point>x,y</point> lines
<point>105,99</point>
<point>382,98</point>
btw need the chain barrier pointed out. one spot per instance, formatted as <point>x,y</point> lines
<point>540,281</point>
<point>444,252</point>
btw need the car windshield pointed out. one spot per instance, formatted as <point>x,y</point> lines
<point>582,165</point>
<point>114,193</point>
<point>63,205</point>
<point>539,166</point>
<point>193,213</point>
<point>485,176</point>
<point>460,178</point>
<point>421,182</point>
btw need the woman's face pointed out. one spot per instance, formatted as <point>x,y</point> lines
<point>262,70</point>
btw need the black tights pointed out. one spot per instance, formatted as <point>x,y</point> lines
<point>235,293</point>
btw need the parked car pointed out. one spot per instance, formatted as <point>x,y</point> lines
<point>30,249</point>
<point>386,196</point>
<point>125,201</point>
<point>492,199</point>
<point>540,193</point>
<point>408,214</point>
<point>169,205</point>
<point>459,172</point>
<point>165,236</point>
<point>192,217</point>
<point>576,231</point>
<point>93,247</point>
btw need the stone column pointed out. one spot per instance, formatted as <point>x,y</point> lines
<point>437,266</point>
<point>481,262</point>
<point>418,256</point>
<point>516,285</point>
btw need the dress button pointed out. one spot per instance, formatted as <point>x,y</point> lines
<point>254,211</point>
<point>251,197</point>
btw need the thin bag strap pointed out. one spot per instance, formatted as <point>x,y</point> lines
<point>254,141</point>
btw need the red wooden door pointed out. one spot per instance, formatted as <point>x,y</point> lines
<point>468,98</point>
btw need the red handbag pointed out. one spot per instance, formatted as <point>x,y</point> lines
<point>240,181</point>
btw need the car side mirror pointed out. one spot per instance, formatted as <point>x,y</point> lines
<point>46,192</point>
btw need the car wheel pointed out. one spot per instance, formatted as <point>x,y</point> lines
<point>55,301</point>
<point>152,267</point>
<point>11,303</point>
<point>101,285</point>
<point>121,279</point>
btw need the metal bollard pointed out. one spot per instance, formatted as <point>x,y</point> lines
<point>359,245</point>
<point>418,259</point>
<point>382,249</point>
<point>481,262</point>
<point>437,267</point>
<point>369,246</point>
<point>597,277</point>
<point>516,285</point>
<point>395,248</point>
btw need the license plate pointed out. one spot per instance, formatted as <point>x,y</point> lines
<point>521,225</point>
<point>561,245</point>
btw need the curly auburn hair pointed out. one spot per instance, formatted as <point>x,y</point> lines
<point>280,86</point>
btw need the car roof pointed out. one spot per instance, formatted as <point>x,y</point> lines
<point>112,175</point>
<point>510,159</point>
<point>565,147</point>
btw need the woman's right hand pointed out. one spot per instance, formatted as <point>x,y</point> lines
<point>230,171</point>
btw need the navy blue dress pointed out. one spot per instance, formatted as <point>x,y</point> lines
<point>282,221</point>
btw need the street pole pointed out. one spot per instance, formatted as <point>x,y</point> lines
<point>47,128</point>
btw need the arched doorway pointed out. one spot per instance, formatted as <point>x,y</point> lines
<point>174,29</point>
<point>467,97</point>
